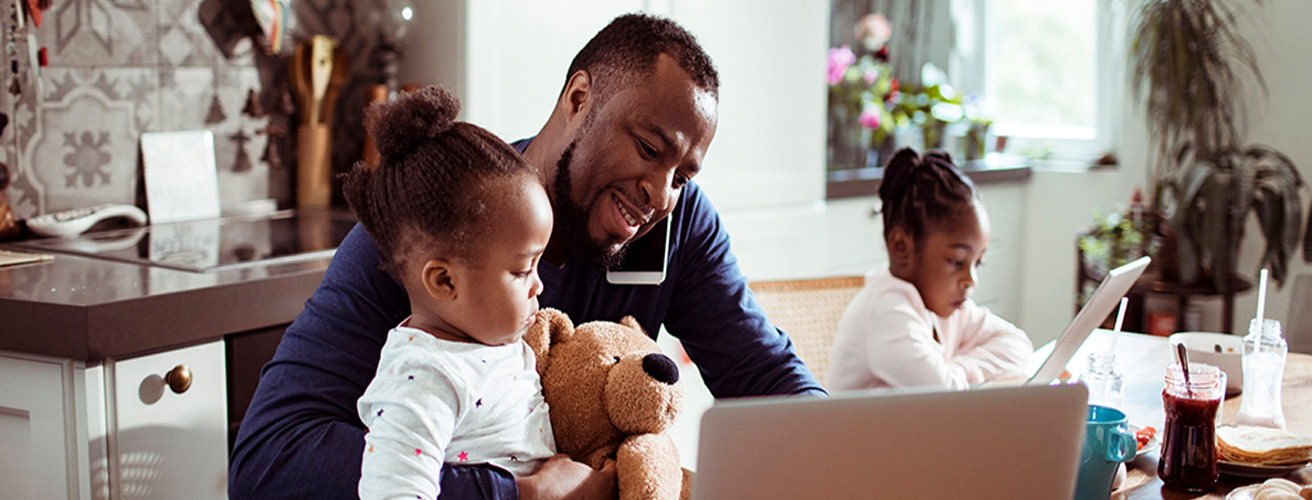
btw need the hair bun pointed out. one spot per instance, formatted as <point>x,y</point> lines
<point>401,124</point>
<point>898,174</point>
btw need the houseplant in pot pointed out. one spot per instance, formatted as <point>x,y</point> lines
<point>1187,60</point>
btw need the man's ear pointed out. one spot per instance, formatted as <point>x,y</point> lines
<point>439,279</point>
<point>901,248</point>
<point>576,100</point>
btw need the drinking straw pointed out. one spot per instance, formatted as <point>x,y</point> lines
<point>1261,298</point>
<point>1120,318</point>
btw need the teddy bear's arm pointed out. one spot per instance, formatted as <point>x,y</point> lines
<point>648,468</point>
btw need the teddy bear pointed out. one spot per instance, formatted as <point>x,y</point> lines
<point>612,393</point>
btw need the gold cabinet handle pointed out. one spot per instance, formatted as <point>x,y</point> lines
<point>179,379</point>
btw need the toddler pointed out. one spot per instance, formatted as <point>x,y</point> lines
<point>913,324</point>
<point>461,220</point>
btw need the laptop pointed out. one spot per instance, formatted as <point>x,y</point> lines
<point>1101,303</point>
<point>1006,442</point>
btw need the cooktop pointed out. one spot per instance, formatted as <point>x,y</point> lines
<point>218,244</point>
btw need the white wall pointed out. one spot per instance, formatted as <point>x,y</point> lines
<point>1060,204</point>
<point>506,60</point>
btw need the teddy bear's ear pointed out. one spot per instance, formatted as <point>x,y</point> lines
<point>551,327</point>
<point>632,322</point>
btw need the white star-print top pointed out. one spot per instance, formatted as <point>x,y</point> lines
<point>435,401</point>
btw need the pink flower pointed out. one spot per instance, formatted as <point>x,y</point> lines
<point>870,75</point>
<point>869,118</point>
<point>873,30</point>
<point>839,59</point>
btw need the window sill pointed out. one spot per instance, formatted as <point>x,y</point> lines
<point>865,182</point>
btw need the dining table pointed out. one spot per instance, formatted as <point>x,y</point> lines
<point>1143,360</point>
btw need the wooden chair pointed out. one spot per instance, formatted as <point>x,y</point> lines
<point>808,311</point>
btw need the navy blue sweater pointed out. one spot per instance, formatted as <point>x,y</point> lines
<point>302,438</point>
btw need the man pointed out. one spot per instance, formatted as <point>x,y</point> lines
<point>617,154</point>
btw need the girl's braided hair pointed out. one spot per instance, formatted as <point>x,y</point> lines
<point>920,190</point>
<point>429,189</point>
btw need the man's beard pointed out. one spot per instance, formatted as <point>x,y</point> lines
<point>573,219</point>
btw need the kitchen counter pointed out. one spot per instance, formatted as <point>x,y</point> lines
<point>86,308</point>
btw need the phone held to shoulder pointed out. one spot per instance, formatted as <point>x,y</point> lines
<point>645,260</point>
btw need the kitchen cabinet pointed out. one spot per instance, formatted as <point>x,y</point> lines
<point>115,430</point>
<point>87,343</point>
<point>44,441</point>
<point>855,231</point>
<point>1000,277</point>
<point>168,421</point>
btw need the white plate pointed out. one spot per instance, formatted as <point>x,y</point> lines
<point>1243,492</point>
<point>1255,471</point>
<point>1150,446</point>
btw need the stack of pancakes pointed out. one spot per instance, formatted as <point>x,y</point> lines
<point>1252,445</point>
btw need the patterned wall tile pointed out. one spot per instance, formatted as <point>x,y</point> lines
<point>221,96</point>
<point>88,33</point>
<point>204,33</point>
<point>122,67</point>
<point>83,150</point>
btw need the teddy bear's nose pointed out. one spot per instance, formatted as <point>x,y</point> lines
<point>661,368</point>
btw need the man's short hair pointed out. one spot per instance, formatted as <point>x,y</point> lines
<point>629,46</point>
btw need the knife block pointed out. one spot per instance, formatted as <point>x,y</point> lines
<point>314,172</point>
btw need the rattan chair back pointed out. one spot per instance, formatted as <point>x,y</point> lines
<point>808,311</point>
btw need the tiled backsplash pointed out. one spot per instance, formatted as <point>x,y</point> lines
<point>118,68</point>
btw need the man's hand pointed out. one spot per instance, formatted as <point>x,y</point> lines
<point>561,478</point>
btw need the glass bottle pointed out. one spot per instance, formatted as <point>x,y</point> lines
<point>1188,457</point>
<point>1105,382</point>
<point>1264,368</point>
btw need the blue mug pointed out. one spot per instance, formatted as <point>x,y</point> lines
<point>1107,443</point>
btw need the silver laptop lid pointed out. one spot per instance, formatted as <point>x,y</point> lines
<point>1012,442</point>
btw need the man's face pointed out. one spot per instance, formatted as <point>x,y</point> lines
<point>627,164</point>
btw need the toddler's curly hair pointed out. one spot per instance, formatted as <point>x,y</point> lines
<point>429,189</point>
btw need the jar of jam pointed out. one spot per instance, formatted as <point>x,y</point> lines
<point>1188,457</point>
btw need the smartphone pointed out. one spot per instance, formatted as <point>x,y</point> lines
<point>645,260</point>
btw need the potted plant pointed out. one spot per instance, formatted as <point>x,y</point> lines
<point>1187,56</point>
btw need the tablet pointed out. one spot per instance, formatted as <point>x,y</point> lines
<point>1101,303</point>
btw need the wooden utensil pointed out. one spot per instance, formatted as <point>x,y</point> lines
<point>321,67</point>
<point>341,70</point>
<point>313,69</point>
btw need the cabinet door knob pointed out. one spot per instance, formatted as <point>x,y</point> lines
<point>179,379</point>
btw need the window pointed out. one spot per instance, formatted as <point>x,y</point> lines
<point>1048,72</point>
<point>1046,75</point>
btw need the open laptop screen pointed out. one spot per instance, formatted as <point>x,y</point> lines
<point>1012,442</point>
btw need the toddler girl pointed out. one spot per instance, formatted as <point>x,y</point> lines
<point>914,324</point>
<point>461,220</point>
